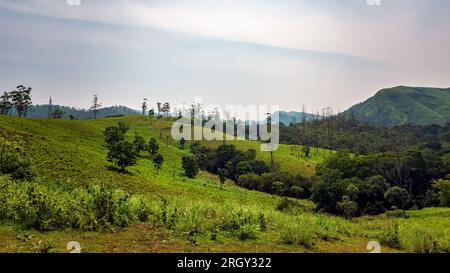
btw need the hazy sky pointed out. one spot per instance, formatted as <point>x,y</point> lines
<point>287,52</point>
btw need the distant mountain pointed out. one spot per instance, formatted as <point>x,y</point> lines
<point>292,117</point>
<point>41,111</point>
<point>403,105</point>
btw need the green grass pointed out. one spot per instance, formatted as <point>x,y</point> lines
<point>196,216</point>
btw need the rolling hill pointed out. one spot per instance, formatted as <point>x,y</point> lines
<point>186,215</point>
<point>293,117</point>
<point>41,111</point>
<point>402,104</point>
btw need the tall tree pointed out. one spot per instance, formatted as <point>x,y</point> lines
<point>5,103</point>
<point>50,108</point>
<point>144,106</point>
<point>21,99</point>
<point>158,106</point>
<point>95,108</point>
<point>166,108</point>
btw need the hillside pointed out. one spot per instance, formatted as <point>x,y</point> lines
<point>402,104</point>
<point>197,215</point>
<point>42,111</point>
<point>293,117</point>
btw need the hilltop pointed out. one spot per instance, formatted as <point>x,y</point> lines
<point>403,104</point>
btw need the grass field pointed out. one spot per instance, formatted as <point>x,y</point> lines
<point>198,215</point>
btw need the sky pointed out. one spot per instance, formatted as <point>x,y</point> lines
<point>317,53</point>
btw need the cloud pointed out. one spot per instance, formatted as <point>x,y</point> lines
<point>320,53</point>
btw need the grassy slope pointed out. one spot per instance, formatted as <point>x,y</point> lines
<point>72,152</point>
<point>402,104</point>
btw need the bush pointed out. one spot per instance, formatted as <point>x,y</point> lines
<point>248,232</point>
<point>48,208</point>
<point>190,166</point>
<point>286,204</point>
<point>298,234</point>
<point>12,164</point>
<point>420,240</point>
<point>389,236</point>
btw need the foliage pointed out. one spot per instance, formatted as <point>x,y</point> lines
<point>153,146</point>
<point>123,154</point>
<point>158,161</point>
<point>190,166</point>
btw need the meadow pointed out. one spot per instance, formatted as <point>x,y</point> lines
<point>78,196</point>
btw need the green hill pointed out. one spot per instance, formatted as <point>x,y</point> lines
<point>402,104</point>
<point>185,215</point>
<point>42,111</point>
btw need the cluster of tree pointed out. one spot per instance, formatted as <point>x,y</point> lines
<point>280,183</point>
<point>345,132</point>
<point>246,171</point>
<point>18,100</point>
<point>124,153</point>
<point>227,158</point>
<point>355,185</point>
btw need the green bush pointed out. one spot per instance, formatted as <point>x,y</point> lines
<point>248,232</point>
<point>299,234</point>
<point>420,240</point>
<point>48,208</point>
<point>389,235</point>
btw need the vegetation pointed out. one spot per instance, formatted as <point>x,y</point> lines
<point>76,196</point>
<point>402,105</point>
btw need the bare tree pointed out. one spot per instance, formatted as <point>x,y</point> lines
<point>50,108</point>
<point>144,106</point>
<point>95,108</point>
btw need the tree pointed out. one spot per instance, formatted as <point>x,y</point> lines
<point>347,207</point>
<point>158,161</point>
<point>296,191</point>
<point>144,106</point>
<point>166,108</point>
<point>182,143</point>
<point>5,103</point>
<point>151,112</point>
<point>57,114</point>
<point>443,188</point>
<point>153,146</point>
<point>190,166</point>
<point>95,108</point>
<point>115,134</point>
<point>50,107</point>
<point>21,99</point>
<point>123,154</point>
<point>158,106</point>
<point>306,150</point>
<point>222,177</point>
<point>278,187</point>
<point>397,196</point>
<point>139,143</point>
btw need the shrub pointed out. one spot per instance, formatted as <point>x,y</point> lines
<point>420,240</point>
<point>248,232</point>
<point>12,164</point>
<point>389,235</point>
<point>190,166</point>
<point>48,208</point>
<point>299,234</point>
<point>286,204</point>
<point>347,207</point>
